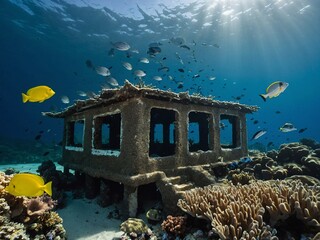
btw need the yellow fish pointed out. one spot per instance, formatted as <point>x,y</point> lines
<point>38,94</point>
<point>29,185</point>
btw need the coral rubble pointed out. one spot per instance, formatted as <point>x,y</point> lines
<point>254,210</point>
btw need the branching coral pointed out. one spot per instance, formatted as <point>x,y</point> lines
<point>238,212</point>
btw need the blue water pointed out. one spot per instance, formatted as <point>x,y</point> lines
<point>246,45</point>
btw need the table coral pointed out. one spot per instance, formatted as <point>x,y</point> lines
<point>246,211</point>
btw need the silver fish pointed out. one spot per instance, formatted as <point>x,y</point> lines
<point>103,71</point>
<point>157,78</point>
<point>112,81</point>
<point>127,65</point>
<point>139,73</point>
<point>274,90</point>
<point>65,99</point>
<point>258,134</point>
<point>121,46</point>
<point>144,60</point>
<point>287,127</point>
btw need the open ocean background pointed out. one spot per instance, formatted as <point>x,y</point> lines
<point>243,45</point>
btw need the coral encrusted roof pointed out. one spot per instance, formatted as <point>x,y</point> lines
<point>110,96</point>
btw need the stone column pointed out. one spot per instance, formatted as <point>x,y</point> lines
<point>92,186</point>
<point>130,201</point>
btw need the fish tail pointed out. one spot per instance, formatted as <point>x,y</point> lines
<point>48,188</point>
<point>25,98</point>
<point>263,96</point>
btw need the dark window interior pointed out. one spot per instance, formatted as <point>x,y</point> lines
<point>162,132</point>
<point>107,132</point>
<point>75,131</point>
<point>229,131</point>
<point>198,131</point>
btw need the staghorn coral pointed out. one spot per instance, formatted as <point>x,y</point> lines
<point>175,226</point>
<point>238,212</point>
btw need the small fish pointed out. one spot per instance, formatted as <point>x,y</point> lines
<point>302,130</point>
<point>37,94</point>
<point>89,64</point>
<point>112,81</point>
<point>277,112</point>
<point>255,121</point>
<point>111,52</point>
<point>153,51</point>
<point>45,154</point>
<point>270,144</point>
<point>139,73</point>
<point>144,60</point>
<point>196,76</point>
<point>287,127</point>
<point>164,69</point>
<point>258,134</point>
<point>127,65</point>
<point>103,71</point>
<point>274,90</point>
<point>38,137</point>
<point>212,78</point>
<point>81,93</point>
<point>180,70</point>
<point>157,78</point>
<point>65,99</point>
<point>29,185</point>
<point>185,46</point>
<point>180,85</point>
<point>121,46</point>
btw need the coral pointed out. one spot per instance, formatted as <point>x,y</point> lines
<point>238,212</point>
<point>241,178</point>
<point>312,163</point>
<point>310,143</point>
<point>13,230</point>
<point>28,218</point>
<point>134,225</point>
<point>292,152</point>
<point>37,206</point>
<point>175,226</point>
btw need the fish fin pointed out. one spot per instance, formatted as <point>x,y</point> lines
<point>48,188</point>
<point>25,98</point>
<point>263,96</point>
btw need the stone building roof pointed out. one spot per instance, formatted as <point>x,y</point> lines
<point>110,96</point>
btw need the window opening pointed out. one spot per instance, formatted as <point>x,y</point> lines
<point>162,132</point>
<point>75,133</point>
<point>198,131</point>
<point>229,131</point>
<point>107,132</point>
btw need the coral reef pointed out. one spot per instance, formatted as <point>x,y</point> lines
<point>175,226</point>
<point>136,228</point>
<point>28,218</point>
<point>291,159</point>
<point>254,210</point>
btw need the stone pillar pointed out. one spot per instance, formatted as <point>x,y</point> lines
<point>130,201</point>
<point>92,186</point>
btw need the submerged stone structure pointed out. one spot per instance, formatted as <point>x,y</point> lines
<point>138,136</point>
